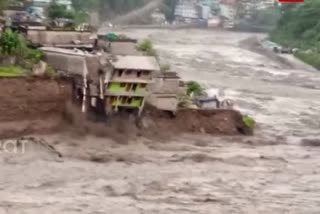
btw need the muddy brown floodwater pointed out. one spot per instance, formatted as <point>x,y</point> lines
<point>277,171</point>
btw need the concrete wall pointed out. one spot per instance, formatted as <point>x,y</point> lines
<point>11,13</point>
<point>70,64</point>
<point>164,102</point>
<point>124,48</point>
<point>73,64</point>
<point>161,85</point>
<point>57,37</point>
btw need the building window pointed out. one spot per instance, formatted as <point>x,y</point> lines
<point>145,73</point>
<point>134,87</point>
<point>120,72</point>
<point>122,85</point>
<point>129,100</point>
<point>139,74</point>
<point>123,100</point>
<point>143,85</point>
<point>112,100</point>
<point>128,72</point>
<point>128,86</point>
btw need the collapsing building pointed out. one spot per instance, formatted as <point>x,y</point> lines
<point>113,84</point>
<point>127,84</point>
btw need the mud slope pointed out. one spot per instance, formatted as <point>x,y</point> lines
<point>31,104</point>
<point>214,122</point>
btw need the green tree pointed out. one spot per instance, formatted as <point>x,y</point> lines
<point>299,27</point>
<point>194,88</point>
<point>299,24</point>
<point>9,42</point>
<point>59,11</point>
<point>3,4</point>
<point>108,8</point>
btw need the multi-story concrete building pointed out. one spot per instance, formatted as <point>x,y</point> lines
<point>228,10</point>
<point>165,89</point>
<point>251,5</point>
<point>45,3</point>
<point>186,10</point>
<point>126,86</point>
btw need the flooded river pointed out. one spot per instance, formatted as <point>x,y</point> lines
<point>277,171</point>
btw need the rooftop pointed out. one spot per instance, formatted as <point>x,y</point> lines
<point>168,75</point>
<point>136,63</point>
<point>65,51</point>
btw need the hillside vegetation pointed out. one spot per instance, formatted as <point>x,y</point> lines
<point>109,9</point>
<point>299,27</point>
<point>260,20</point>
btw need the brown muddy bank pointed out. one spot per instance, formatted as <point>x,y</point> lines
<point>40,105</point>
<point>31,105</point>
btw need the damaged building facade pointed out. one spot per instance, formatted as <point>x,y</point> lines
<point>165,90</point>
<point>127,84</point>
<point>112,83</point>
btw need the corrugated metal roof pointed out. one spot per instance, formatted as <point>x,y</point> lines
<point>136,63</point>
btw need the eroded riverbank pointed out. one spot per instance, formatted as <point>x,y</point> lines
<point>272,172</point>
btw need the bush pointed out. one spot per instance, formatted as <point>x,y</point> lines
<point>9,42</point>
<point>194,88</point>
<point>248,121</point>
<point>34,55</point>
<point>14,45</point>
<point>59,11</point>
<point>146,46</point>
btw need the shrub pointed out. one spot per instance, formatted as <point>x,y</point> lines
<point>9,42</point>
<point>146,46</point>
<point>59,11</point>
<point>34,55</point>
<point>248,121</point>
<point>194,88</point>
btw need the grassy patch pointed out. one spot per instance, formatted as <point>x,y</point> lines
<point>11,71</point>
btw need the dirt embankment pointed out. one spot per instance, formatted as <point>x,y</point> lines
<point>37,105</point>
<point>216,122</point>
<point>31,105</point>
<point>156,124</point>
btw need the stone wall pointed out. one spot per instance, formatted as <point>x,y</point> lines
<point>164,102</point>
<point>58,37</point>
